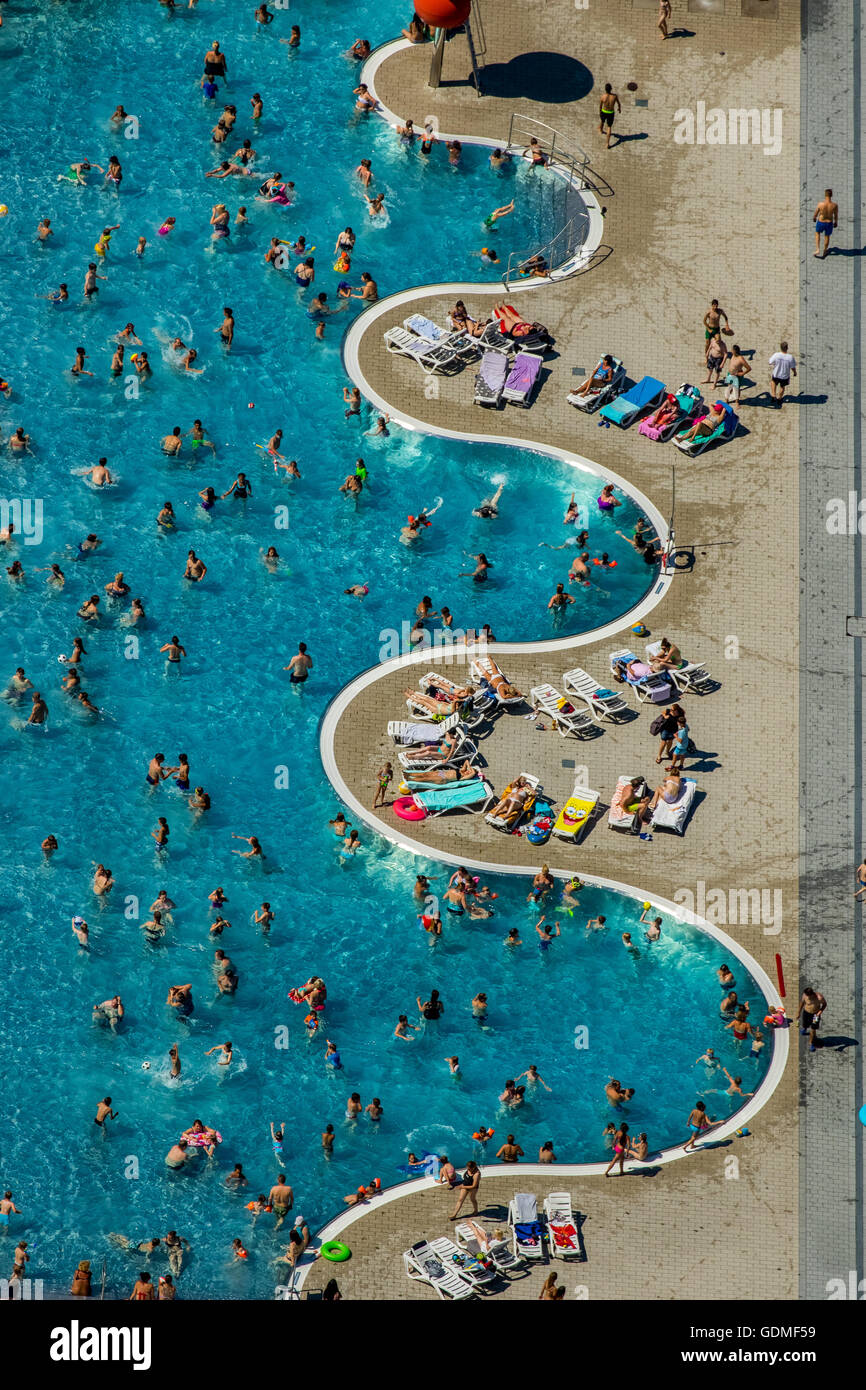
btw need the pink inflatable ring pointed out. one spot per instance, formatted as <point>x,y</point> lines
<point>405,808</point>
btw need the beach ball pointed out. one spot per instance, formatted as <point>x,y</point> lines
<point>3,210</point>
<point>251,405</point>
<point>444,14</point>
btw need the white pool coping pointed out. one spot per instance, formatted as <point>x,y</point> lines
<point>592,240</point>
<point>343,699</point>
<point>335,1228</point>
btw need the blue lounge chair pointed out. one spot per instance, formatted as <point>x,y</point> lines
<point>646,395</point>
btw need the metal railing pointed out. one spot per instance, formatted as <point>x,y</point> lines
<point>478,30</point>
<point>573,168</point>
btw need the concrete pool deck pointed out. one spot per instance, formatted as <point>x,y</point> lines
<point>734,607</point>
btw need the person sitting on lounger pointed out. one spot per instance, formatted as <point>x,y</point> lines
<point>706,426</point>
<point>601,377</point>
<point>668,656</point>
<point>515,799</point>
<point>625,797</point>
<point>436,777</point>
<point>669,791</point>
<point>463,322</point>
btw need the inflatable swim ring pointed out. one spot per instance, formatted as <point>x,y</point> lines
<point>335,1251</point>
<point>405,808</point>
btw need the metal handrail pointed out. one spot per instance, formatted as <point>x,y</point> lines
<point>554,257</point>
<point>478,30</point>
<point>572,165</point>
<point>578,163</point>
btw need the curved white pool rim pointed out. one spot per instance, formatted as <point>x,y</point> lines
<point>591,242</point>
<point>337,1227</point>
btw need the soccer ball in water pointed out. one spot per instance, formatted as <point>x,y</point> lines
<point>145,1066</point>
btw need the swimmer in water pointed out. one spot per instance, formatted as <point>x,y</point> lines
<point>495,215</point>
<point>357,590</point>
<point>489,508</point>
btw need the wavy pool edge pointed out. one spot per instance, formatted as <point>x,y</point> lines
<point>345,696</point>
<point>334,1228</point>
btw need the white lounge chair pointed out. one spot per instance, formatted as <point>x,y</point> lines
<point>431,357</point>
<point>407,732</point>
<point>470,1266</point>
<point>510,821</point>
<point>473,797</point>
<point>505,1261</point>
<point>527,1231</point>
<point>657,688</point>
<point>463,344</point>
<point>485,668</point>
<point>674,817</point>
<point>523,379</point>
<point>566,721</point>
<point>422,1264</point>
<point>491,336</point>
<point>599,396</point>
<point>602,703</point>
<point>562,1231</point>
<point>463,748</point>
<point>481,704</point>
<point>689,675</point>
<point>490,378</point>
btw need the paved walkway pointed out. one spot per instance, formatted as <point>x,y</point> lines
<point>833,1141</point>
<point>671,250</point>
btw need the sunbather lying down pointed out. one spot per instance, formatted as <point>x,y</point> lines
<point>443,749</point>
<point>707,424</point>
<point>441,703</point>
<point>436,776</point>
<point>631,670</point>
<point>500,687</point>
<point>514,799</point>
<point>666,413</point>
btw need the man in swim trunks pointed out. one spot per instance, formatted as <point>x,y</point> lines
<point>300,665</point>
<point>812,1006</point>
<point>7,1207</point>
<point>713,320</point>
<point>281,1198</point>
<point>826,219</point>
<point>104,1112</point>
<point>226,329</point>
<point>607,108</point>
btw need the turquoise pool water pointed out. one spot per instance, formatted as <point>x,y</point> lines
<point>247,733</point>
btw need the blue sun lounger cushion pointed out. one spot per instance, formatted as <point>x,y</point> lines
<point>648,392</point>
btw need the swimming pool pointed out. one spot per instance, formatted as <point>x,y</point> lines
<point>251,740</point>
